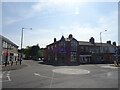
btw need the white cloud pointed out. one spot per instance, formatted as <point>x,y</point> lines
<point>44,36</point>
<point>56,4</point>
<point>84,32</point>
<point>41,7</point>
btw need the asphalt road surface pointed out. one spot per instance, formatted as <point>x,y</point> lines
<point>36,75</point>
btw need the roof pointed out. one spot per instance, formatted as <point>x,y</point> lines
<point>96,44</point>
<point>104,44</point>
<point>82,42</point>
<point>85,43</point>
<point>8,41</point>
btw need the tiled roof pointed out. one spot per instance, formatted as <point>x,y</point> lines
<point>82,42</point>
<point>85,43</point>
<point>104,44</point>
<point>96,44</point>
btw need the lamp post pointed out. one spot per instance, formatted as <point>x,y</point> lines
<point>101,41</point>
<point>101,36</point>
<point>22,42</point>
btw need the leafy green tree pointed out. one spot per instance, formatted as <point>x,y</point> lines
<point>34,52</point>
<point>41,53</point>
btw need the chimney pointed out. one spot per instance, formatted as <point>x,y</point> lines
<point>55,40</point>
<point>109,42</point>
<point>114,43</point>
<point>70,36</point>
<point>92,40</point>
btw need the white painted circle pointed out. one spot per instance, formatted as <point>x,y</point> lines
<point>71,71</point>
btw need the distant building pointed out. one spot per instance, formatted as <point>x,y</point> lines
<point>70,51</point>
<point>9,50</point>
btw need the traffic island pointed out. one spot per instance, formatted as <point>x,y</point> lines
<point>71,71</point>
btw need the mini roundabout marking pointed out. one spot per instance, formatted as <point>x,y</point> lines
<point>71,71</point>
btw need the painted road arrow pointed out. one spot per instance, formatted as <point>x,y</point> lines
<point>37,74</point>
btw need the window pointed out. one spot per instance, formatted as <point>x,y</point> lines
<point>62,44</point>
<point>55,45</point>
<point>52,47</point>
<point>73,46</point>
<point>73,56</point>
<point>48,47</point>
<point>4,44</point>
<point>48,57</point>
<point>62,47</point>
<point>74,43</point>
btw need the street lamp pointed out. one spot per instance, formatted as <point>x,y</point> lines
<point>101,41</point>
<point>101,37</point>
<point>22,42</point>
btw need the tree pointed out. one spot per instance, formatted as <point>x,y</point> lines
<point>34,52</point>
<point>41,53</point>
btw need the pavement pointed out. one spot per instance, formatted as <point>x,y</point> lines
<point>36,75</point>
<point>13,67</point>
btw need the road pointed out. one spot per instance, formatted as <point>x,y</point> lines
<point>36,75</point>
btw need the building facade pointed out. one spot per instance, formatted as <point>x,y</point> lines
<point>9,50</point>
<point>70,51</point>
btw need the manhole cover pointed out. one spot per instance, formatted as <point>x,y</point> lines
<point>71,71</point>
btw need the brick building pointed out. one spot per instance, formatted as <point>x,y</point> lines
<point>9,50</point>
<point>70,51</point>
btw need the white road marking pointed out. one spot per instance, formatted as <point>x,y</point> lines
<point>4,72</point>
<point>109,74</point>
<point>7,75</point>
<point>71,71</point>
<point>109,67</point>
<point>37,74</point>
<point>51,80</point>
<point>8,78</point>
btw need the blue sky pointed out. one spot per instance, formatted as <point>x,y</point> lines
<point>54,18</point>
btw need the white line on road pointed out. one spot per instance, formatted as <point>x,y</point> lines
<point>4,72</point>
<point>51,80</point>
<point>37,74</point>
<point>109,74</point>
<point>8,78</point>
<point>7,75</point>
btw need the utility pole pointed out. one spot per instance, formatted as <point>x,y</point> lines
<point>22,43</point>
